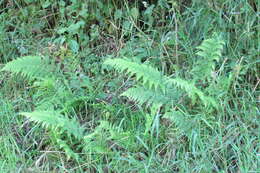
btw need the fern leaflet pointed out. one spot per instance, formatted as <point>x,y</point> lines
<point>31,67</point>
<point>55,120</point>
<point>147,74</point>
<point>193,92</point>
<point>150,97</point>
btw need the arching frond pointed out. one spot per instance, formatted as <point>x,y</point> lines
<point>150,97</point>
<point>147,74</point>
<point>164,87</point>
<point>31,67</point>
<point>54,119</point>
<point>192,91</point>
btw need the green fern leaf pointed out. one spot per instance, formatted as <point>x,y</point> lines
<point>55,120</point>
<point>150,97</point>
<point>193,91</point>
<point>31,67</point>
<point>185,124</point>
<point>147,74</point>
<point>69,152</point>
<point>210,53</point>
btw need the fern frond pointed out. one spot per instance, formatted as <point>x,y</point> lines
<point>183,123</point>
<point>147,74</point>
<point>210,53</point>
<point>69,152</point>
<point>55,96</point>
<point>55,120</point>
<point>150,97</point>
<point>193,91</point>
<point>105,132</point>
<point>31,67</point>
<point>211,49</point>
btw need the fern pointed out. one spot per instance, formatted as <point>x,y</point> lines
<point>106,133</point>
<point>186,125</point>
<point>50,91</point>
<point>69,152</point>
<point>210,53</point>
<point>31,67</point>
<point>53,119</point>
<point>153,95</point>
<point>148,75</point>
<point>193,92</point>
<point>54,95</point>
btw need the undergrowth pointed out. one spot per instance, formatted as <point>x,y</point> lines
<point>129,86</point>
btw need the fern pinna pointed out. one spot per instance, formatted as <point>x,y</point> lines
<point>32,67</point>
<point>54,119</point>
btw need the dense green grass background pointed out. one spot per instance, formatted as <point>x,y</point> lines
<point>78,35</point>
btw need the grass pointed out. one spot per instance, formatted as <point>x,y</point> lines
<point>120,135</point>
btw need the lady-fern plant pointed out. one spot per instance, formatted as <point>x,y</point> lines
<point>51,95</point>
<point>156,89</point>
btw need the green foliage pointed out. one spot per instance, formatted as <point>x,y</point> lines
<point>210,53</point>
<point>198,105</point>
<point>69,152</point>
<point>56,120</point>
<point>193,92</point>
<point>53,98</point>
<point>106,133</point>
<point>29,66</point>
<point>148,75</point>
<point>184,124</point>
<point>143,95</point>
<point>153,81</point>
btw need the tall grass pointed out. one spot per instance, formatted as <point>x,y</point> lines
<point>121,135</point>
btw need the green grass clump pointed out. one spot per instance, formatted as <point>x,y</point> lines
<point>184,95</point>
